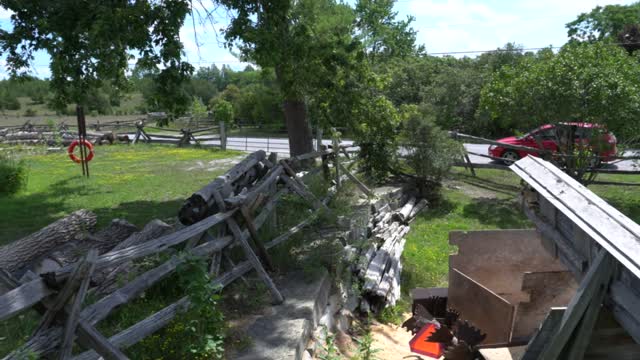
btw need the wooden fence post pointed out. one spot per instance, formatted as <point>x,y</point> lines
<point>318,139</point>
<point>336,160</point>
<point>223,136</point>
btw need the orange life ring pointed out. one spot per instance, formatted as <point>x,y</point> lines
<point>84,143</point>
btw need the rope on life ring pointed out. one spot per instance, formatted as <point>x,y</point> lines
<point>73,146</point>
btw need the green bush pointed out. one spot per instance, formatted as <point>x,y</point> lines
<point>13,175</point>
<point>222,111</point>
<point>431,151</point>
<point>30,112</point>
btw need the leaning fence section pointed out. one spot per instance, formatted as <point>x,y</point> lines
<point>225,214</point>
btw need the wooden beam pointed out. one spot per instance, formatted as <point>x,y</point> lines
<point>598,276</point>
<point>262,252</point>
<point>359,183</point>
<point>255,262</point>
<point>74,313</point>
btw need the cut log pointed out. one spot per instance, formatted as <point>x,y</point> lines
<point>403,213</point>
<point>21,252</point>
<point>416,209</point>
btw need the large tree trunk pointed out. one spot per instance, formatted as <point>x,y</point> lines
<point>73,227</point>
<point>298,129</point>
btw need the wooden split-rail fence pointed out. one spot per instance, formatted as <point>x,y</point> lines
<point>213,135</point>
<point>226,213</point>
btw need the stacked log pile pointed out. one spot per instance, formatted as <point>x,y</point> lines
<point>378,267</point>
<point>63,136</point>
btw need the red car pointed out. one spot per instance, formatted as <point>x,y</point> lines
<point>583,134</point>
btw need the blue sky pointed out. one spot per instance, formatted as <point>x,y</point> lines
<point>442,25</point>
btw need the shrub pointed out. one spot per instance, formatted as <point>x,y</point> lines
<point>431,151</point>
<point>13,175</point>
<point>30,112</point>
<point>222,111</point>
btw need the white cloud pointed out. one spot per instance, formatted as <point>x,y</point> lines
<point>469,25</point>
<point>5,13</point>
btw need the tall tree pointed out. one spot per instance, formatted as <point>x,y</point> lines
<point>304,41</point>
<point>611,23</point>
<point>91,42</point>
<point>583,82</point>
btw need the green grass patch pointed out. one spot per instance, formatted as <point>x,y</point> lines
<point>137,183</point>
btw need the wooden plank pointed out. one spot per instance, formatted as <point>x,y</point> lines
<point>544,335</point>
<point>101,345</point>
<point>305,194</point>
<point>359,183</point>
<point>255,262</point>
<point>615,232</point>
<point>262,252</point>
<point>598,275</point>
<point>494,317</point>
<point>293,230</point>
<point>74,314</point>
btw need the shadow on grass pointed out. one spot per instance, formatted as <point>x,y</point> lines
<point>488,184</point>
<point>502,213</point>
<point>24,214</point>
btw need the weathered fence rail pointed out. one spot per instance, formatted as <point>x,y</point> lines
<point>236,205</point>
<point>597,243</point>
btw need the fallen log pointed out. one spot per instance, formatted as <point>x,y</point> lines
<point>75,226</point>
<point>403,213</point>
<point>416,209</point>
<point>70,252</point>
<point>202,203</point>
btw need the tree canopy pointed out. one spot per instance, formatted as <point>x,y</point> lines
<point>583,82</point>
<point>85,50</point>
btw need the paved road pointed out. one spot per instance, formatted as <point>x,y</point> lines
<point>281,146</point>
<point>616,166</point>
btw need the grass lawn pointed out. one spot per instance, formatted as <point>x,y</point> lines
<point>137,183</point>
<point>487,201</point>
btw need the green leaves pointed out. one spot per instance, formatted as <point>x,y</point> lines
<point>583,82</point>
<point>91,43</point>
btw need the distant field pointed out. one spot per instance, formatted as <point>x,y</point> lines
<point>128,105</point>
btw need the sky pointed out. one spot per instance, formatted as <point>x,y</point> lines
<point>443,26</point>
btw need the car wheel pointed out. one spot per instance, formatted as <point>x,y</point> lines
<point>509,157</point>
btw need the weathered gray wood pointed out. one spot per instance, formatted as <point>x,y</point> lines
<point>416,209</point>
<point>599,275</point>
<point>202,202</point>
<point>380,262</point>
<point>99,343</point>
<point>305,194</point>
<point>262,186</point>
<point>403,213</point>
<point>74,314</point>
<point>70,228</point>
<point>293,230</point>
<point>615,232</point>
<point>160,319</point>
<point>545,333</point>
<point>65,294</point>
<point>253,259</point>
<point>357,181</point>
<point>262,252</point>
